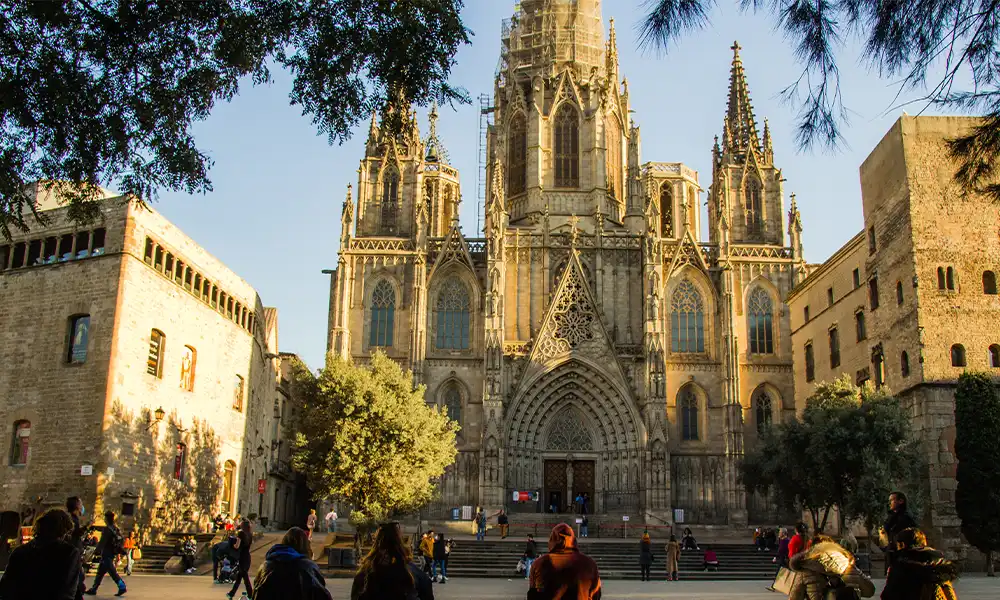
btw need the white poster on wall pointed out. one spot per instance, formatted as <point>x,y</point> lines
<point>466,513</point>
<point>87,470</point>
<point>678,515</point>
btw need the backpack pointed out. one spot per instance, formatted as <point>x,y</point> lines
<point>117,541</point>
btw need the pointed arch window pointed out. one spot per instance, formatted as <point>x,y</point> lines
<point>689,414</point>
<point>760,311</point>
<point>567,146</point>
<point>666,210</point>
<point>995,356</point>
<point>453,315</point>
<point>613,139</point>
<point>20,444</point>
<point>452,403</point>
<point>517,155</point>
<point>390,201</point>
<point>754,209</point>
<point>228,485</point>
<point>383,314</point>
<point>569,431</point>
<point>687,319</point>
<point>763,411</point>
<point>154,361</point>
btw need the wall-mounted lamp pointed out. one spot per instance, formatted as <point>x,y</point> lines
<point>260,450</point>
<point>158,415</point>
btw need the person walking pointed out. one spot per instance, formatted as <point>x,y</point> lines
<point>584,526</point>
<point>530,554</point>
<point>673,558</point>
<point>440,556</point>
<point>244,539</point>
<point>130,547</point>
<point>645,557</point>
<point>918,571</point>
<point>46,567</point>
<point>311,522</point>
<point>481,525</point>
<point>427,551</point>
<point>899,519</point>
<point>288,572</point>
<point>331,521</point>
<point>387,572</point>
<point>825,566</point>
<point>564,572</point>
<point>112,545</point>
<point>503,524</point>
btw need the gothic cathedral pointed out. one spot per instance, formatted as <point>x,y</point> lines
<point>593,341</point>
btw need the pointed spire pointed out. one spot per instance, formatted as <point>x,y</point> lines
<point>347,216</point>
<point>740,127</point>
<point>435,149</point>
<point>768,147</point>
<point>611,55</point>
<point>373,129</point>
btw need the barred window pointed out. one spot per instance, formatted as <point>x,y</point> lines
<point>754,209</point>
<point>567,147</point>
<point>666,210</point>
<point>689,414</point>
<point>517,155</point>
<point>383,314</point>
<point>687,319</point>
<point>453,316</point>
<point>390,199</point>
<point>760,318</point>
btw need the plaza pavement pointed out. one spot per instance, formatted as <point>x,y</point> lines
<point>179,587</point>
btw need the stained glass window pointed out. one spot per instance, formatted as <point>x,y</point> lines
<point>760,312</point>
<point>754,209</point>
<point>666,211</point>
<point>764,411</point>
<point>390,196</point>
<point>689,414</point>
<point>453,316</point>
<point>567,147</point>
<point>517,155</point>
<point>453,403</point>
<point>687,319</point>
<point>383,314</point>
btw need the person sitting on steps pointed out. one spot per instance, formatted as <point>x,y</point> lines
<point>711,561</point>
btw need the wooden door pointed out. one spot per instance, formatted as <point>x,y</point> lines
<point>583,479</point>
<point>555,485</point>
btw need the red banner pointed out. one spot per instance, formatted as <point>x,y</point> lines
<point>261,486</point>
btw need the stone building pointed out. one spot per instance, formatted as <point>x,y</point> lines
<point>130,359</point>
<point>911,301</point>
<point>592,341</point>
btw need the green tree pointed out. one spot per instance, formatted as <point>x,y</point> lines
<point>977,445</point>
<point>104,92</point>
<point>367,437</point>
<point>851,447</point>
<point>903,40</point>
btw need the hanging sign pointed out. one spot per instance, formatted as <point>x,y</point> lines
<point>87,470</point>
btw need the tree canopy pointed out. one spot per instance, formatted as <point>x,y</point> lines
<point>104,92</point>
<point>977,445</point>
<point>902,39</point>
<point>366,436</point>
<point>850,449</point>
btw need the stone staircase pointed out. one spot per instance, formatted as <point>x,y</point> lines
<point>155,556</point>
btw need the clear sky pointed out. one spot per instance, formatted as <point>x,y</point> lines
<point>274,215</point>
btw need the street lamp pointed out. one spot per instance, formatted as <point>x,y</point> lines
<point>158,415</point>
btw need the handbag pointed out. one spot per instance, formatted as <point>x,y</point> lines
<point>136,554</point>
<point>520,566</point>
<point>784,580</point>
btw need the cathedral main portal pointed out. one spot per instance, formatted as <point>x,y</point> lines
<point>565,480</point>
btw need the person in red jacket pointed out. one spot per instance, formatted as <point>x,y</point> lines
<point>564,573</point>
<point>798,542</point>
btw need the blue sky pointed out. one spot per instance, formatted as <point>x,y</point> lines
<point>274,215</point>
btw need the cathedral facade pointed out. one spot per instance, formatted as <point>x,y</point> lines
<point>592,340</point>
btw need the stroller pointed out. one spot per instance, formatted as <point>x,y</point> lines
<point>228,569</point>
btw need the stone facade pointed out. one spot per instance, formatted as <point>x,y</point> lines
<point>927,263</point>
<point>106,327</point>
<point>592,341</point>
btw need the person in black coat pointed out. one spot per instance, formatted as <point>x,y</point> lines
<point>46,567</point>
<point>289,572</point>
<point>388,573</point>
<point>440,560</point>
<point>645,557</point>
<point>898,520</point>
<point>918,571</point>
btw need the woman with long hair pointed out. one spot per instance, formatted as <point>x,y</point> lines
<point>288,572</point>
<point>388,573</point>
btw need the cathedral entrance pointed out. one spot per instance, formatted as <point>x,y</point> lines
<point>564,481</point>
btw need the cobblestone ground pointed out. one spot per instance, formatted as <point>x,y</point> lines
<point>167,587</point>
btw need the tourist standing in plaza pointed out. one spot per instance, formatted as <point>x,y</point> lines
<point>289,573</point>
<point>131,545</point>
<point>427,550</point>
<point>645,557</point>
<point>503,523</point>
<point>440,556</point>
<point>311,522</point>
<point>46,567</point>
<point>564,572</point>
<point>387,572</point>
<point>673,558</point>
<point>530,554</point>
<point>899,519</point>
<point>242,544</point>
<point>112,545</point>
<point>481,525</point>
<point>918,571</point>
<point>584,526</point>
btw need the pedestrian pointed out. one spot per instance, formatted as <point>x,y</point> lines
<point>710,560</point>
<point>918,571</point>
<point>645,557</point>
<point>448,547</point>
<point>584,526</point>
<point>530,554</point>
<point>112,545</point>
<point>289,573</point>
<point>427,551</point>
<point>440,555</point>
<point>823,567</point>
<point>311,522</point>
<point>899,519</point>
<point>74,506</point>
<point>564,572</point>
<point>687,540</point>
<point>578,503</point>
<point>481,525</point>
<point>331,521</point>
<point>244,539</point>
<point>781,559</point>
<point>130,547</point>
<point>46,567</point>
<point>798,542</point>
<point>673,558</point>
<point>503,524</point>
<point>387,572</point>
<point>222,551</point>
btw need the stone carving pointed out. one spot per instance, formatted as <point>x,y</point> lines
<point>568,431</point>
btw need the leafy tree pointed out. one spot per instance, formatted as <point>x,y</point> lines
<point>367,437</point>
<point>104,92</point>
<point>851,447</point>
<point>902,39</point>
<point>977,445</point>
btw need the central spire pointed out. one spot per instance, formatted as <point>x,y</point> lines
<point>740,132</point>
<point>553,33</point>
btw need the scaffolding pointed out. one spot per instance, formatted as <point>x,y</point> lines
<point>485,122</point>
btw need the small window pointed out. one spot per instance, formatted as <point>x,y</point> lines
<point>862,377</point>
<point>83,244</point>
<point>857,278</point>
<point>871,240</point>
<point>238,387</point>
<point>154,362</point>
<point>810,365</point>
<point>873,292</point>
<point>158,259</point>
<point>97,248</point>
<point>878,367</point>
<point>65,248</point>
<point>21,444</point>
<point>859,325</point>
<point>989,283</point>
<point>4,257</point>
<point>179,272</point>
<point>958,355</point>
<point>995,356</point>
<point>180,461</point>
<point>940,278</point>
<point>829,296</point>
<point>904,364</point>
<point>834,348</point>
<point>197,285</point>
<point>51,250</point>
<point>19,253</point>
<point>168,265</point>
<point>950,278</point>
<point>148,254</point>
<point>805,313</point>
<point>899,293</point>
<point>34,253</point>
<point>188,278</point>
<point>215,297</point>
<point>128,509</point>
<point>189,360</point>
<point>228,486</point>
<point>79,333</point>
